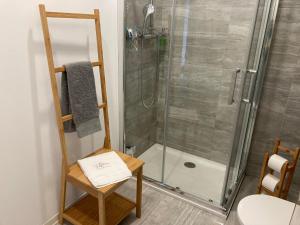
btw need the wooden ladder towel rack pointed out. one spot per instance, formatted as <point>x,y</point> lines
<point>286,174</point>
<point>100,206</point>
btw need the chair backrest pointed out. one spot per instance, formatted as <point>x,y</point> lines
<point>54,70</point>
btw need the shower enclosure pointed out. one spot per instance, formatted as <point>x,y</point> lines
<point>193,73</point>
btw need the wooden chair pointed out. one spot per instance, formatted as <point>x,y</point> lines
<point>286,173</point>
<point>100,206</point>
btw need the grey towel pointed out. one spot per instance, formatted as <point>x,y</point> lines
<point>78,97</point>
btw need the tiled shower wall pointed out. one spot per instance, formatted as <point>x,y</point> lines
<point>140,123</point>
<point>279,110</point>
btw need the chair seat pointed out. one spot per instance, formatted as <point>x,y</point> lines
<point>77,177</point>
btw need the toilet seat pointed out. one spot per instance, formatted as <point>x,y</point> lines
<point>265,210</point>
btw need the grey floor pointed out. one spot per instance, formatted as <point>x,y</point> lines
<point>160,208</point>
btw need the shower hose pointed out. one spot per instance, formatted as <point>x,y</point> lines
<point>141,65</point>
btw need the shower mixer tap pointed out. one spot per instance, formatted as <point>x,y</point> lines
<point>133,35</point>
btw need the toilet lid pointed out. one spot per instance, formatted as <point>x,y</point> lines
<point>265,210</point>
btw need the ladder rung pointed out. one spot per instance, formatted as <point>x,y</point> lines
<point>70,116</point>
<point>63,69</point>
<point>70,15</point>
<point>284,149</point>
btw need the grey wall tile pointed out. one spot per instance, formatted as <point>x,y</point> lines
<point>289,4</point>
<point>268,125</point>
<point>279,77</point>
<point>274,100</point>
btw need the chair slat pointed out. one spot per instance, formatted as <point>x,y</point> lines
<point>107,141</point>
<point>63,69</point>
<point>284,149</point>
<point>70,116</point>
<point>70,15</point>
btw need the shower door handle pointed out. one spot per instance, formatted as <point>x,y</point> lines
<point>232,86</point>
<point>249,98</point>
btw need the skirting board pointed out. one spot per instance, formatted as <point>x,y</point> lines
<point>52,221</point>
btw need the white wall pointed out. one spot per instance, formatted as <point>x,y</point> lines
<point>121,40</point>
<point>29,148</point>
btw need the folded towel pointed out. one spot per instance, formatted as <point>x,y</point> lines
<point>78,97</point>
<point>69,126</point>
<point>104,169</point>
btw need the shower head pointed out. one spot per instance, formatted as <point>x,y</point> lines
<point>149,10</point>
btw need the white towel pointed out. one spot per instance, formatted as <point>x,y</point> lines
<point>104,169</point>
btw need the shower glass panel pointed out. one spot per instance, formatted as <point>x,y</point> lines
<point>188,76</point>
<point>145,49</point>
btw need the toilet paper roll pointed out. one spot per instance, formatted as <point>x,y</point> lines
<point>270,182</point>
<point>276,162</point>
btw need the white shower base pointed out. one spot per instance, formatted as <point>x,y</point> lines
<point>204,181</point>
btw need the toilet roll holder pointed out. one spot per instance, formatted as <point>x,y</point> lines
<point>283,172</point>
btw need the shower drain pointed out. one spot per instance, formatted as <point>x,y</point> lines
<point>189,164</point>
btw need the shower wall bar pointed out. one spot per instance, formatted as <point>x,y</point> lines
<point>233,87</point>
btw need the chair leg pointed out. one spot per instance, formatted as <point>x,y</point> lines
<point>101,209</point>
<point>139,187</point>
<point>62,194</point>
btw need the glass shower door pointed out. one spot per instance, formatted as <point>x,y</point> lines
<point>260,47</point>
<point>207,63</point>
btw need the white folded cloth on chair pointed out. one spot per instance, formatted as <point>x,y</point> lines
<point>104,169</point>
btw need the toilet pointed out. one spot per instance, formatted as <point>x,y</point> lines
<point>266,210</point>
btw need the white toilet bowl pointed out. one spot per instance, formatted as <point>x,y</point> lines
<point>265,210</point>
